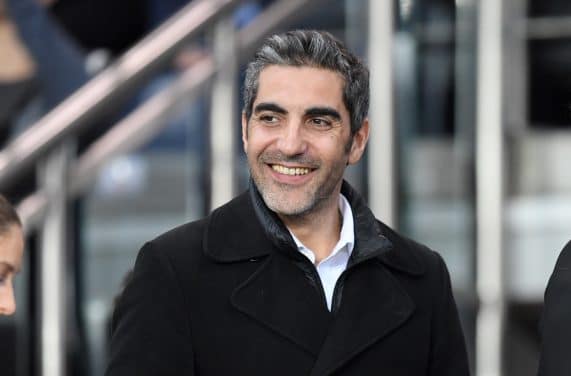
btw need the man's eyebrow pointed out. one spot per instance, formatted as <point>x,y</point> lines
<point>268,106</point>
<point>323,111</point>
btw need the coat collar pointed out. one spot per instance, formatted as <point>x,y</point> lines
<point>245,229</point>
<point>233,233</point>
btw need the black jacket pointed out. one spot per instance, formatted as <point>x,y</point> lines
<point>231,295</point>
<point>555,359</point>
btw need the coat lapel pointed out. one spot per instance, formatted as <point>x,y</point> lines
<point>280,297</point>
<point>373,306</point>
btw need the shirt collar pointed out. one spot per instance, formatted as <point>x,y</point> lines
<point>346,235</point>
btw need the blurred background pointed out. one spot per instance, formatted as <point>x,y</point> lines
<point>120,120</point>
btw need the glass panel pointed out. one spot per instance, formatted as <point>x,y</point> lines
<point>538,218</point>
<point>538,201</point>
<point>435,111</point>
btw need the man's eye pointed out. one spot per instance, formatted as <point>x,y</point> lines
<point>320,123</point>
<point>268,119</point>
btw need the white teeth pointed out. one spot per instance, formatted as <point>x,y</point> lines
<point>290,171</point>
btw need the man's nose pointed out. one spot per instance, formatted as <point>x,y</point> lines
<point>292,140</point>
<point>7,301</point>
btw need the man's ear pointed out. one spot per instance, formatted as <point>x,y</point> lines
<point>359,143</point>
<point>244,131</point>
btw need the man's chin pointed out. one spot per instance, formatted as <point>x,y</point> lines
<point>285,199</point>
<point>288,207</point>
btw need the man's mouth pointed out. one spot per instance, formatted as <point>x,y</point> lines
<point>292,171</point>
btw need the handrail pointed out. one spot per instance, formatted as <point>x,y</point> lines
<point>144,122</point>
<point>85,105</point>
<point>126,135</point>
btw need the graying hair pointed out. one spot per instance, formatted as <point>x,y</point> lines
<point>316,49</point>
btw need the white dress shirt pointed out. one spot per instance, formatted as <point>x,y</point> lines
<point>330,268</point>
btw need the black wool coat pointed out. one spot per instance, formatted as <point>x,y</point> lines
<point>555,358</point>
<point>231,295</point>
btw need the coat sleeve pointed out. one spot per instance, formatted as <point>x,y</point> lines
<point>150,328</point>
<point>555,357</point>
<point>448,348</point>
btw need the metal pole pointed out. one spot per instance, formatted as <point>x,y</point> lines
<point>489,192</point>
<point>53,177</point>
<point>381,151</point>
<point>223,114</point>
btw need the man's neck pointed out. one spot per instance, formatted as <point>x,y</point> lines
<point>318,230</point>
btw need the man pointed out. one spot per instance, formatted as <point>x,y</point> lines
<point>11,250</point>
<point>295,276</point>
<point>555,359</point>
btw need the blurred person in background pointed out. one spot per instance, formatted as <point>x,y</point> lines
<point>555,325</point>
<point>294,276</point>
<point>17,84</point>
<point>11,251</point>
<point>56,60</point>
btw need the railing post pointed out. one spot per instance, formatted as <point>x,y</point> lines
<point>489,190</point>
<point>53,258</point>
<point>223,119</point>
<point>382,142</point>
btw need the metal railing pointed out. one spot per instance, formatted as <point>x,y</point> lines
<point>138,127</point>
<point>91,100</point>
<point>490,191</point>
<point>49,143</point>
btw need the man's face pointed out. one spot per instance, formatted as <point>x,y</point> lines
<point>11,250</point>
<point>298,139</point>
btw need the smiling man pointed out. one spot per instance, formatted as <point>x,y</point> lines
<point>295,276</point>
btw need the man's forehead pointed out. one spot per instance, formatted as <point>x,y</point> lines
<point>305,85</point>
<point>278,71</point>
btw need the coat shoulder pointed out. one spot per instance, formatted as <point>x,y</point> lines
<point>219,236</point>
<point>183,239</point>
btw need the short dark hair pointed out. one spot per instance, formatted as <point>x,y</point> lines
<point>318,49</point>
<point>8,216</point>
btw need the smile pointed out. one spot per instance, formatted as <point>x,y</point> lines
<point>293,171</point>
